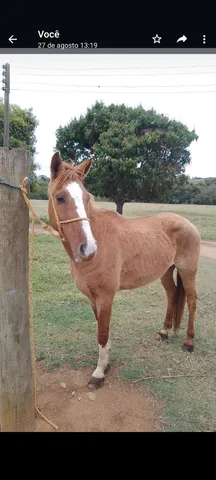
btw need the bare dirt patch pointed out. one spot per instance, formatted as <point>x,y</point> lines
<point>63,397</point>
<point>208,249</point>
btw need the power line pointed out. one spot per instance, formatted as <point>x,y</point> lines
<point>117,68</point>
<point>116,93</point>
<point>118,86</point>
<point>113,75</point>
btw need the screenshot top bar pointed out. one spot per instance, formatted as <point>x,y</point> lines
<point>60,39</point>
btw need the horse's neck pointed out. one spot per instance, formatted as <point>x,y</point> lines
<point>93,211</point>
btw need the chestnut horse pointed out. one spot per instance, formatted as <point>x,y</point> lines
<point>109,252</point>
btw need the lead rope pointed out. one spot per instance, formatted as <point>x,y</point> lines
<point>28,203</point>
<point>31,323</point>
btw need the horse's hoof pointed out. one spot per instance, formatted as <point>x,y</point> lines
<point>107,368</point>
<point>95,383</point>
<point>187,348</point>
<point>162,336</point>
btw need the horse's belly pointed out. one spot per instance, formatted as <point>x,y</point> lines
<point>128,284</point>
<point>139,273</point>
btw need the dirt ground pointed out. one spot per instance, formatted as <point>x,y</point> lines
<point>208,249</point>
<point>63,397</point>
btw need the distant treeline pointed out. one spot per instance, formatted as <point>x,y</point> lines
<point>200,191</point>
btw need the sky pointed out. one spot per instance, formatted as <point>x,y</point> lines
<point>62,87</point>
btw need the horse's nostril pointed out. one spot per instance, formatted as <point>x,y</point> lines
<point>82,250</point>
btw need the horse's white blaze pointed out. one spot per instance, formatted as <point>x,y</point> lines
<point>103,360</point>
<point>76,193</point>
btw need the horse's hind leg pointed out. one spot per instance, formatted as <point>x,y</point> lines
<point>102,310</point>
<point>170,288</point>
<point>189,283</point>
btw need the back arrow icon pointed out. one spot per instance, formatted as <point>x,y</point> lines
<point>182,39</point>
<point>11,39</point>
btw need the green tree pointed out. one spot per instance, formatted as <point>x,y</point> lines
<point>41,192</point>
<point>138,154</point>
<point>23,124</point>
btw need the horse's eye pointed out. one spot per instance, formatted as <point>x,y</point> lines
<point>60,199</point>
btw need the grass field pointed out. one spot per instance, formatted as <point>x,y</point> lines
<point>65,333</point>
<point>203,216</point>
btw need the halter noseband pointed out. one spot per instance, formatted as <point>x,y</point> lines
<point>59,222</point>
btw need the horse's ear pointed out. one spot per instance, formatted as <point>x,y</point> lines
<point>84,167</point>
<point>56,165</point>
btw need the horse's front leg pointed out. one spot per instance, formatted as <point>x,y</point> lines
<point>102,311</point>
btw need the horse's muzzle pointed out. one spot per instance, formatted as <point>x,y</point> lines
<point>84,255</point>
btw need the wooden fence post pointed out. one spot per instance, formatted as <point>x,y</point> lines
<point>16,386</point>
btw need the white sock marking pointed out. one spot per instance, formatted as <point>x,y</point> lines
<point>103,360</point>
<point>76,193</point>
<point>164,332</point>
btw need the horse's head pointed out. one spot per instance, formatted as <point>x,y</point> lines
<point>69,206</point>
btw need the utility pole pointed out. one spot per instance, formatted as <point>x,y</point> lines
<point>6,88</point>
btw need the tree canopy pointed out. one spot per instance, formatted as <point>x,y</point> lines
<point>23,124</point>
<point>138,154</point>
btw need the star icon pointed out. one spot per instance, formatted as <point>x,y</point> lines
<point>157,39</point>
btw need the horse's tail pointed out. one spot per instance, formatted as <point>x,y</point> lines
<point>180,299</point>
